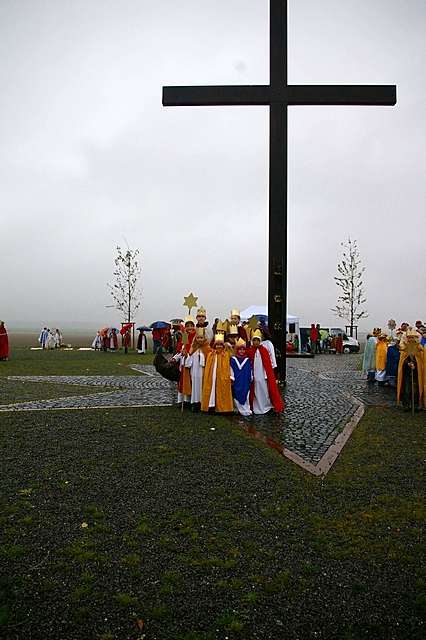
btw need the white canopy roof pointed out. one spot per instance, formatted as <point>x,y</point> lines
<point>262,310</point>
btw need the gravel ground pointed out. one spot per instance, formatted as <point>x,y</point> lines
<point>131,524</point>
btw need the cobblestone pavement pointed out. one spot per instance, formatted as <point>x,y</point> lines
<point>129,391</point>
<point>344,372</point>
<point>322,396</point>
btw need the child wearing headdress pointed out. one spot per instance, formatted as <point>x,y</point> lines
<point>410,382</point>
<point>381,353</point>
<point>369,359</point>
<point>196,362</point>
<point>231,337</point>
<point>184,347</point>
<point>241,378</point>
<point>235,319</point>
<point>264,394</point>
<point>216,393</point>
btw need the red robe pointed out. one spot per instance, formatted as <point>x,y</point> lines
<point>4,343</point>
<point>274,392</point>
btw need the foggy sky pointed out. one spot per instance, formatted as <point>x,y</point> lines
<point>90,159</point>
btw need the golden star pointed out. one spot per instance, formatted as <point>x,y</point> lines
<point>190,301</point>
<point>252,323</point>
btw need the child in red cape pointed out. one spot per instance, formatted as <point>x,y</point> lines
<point>264,393</point>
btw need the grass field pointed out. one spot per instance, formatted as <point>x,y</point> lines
<point>145,523</point>
<point>25,362</point>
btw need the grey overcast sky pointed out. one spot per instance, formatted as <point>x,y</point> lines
<point>90,159</point>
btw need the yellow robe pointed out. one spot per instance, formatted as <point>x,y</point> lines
<point>420,360</point>
<point>381,352</point>
<point>223,395</point>
<point>186,381</point>
<point>424,376</point>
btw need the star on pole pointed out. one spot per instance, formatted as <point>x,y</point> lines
<point>190,301</point>
<point>253,322</point>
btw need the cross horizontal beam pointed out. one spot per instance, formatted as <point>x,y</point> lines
<point>228,95</point>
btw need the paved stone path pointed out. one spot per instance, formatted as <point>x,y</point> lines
<point>322,396</point>
<point>130,391</point>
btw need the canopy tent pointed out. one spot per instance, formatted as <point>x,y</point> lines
<point>261,311</point>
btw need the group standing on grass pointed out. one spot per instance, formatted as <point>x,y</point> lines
<point>226,367</point>
<point>397,358</point>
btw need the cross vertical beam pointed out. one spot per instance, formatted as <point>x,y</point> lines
<point>278,95</point>
<point>278,116</point>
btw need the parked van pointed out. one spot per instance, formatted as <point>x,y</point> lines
<point>350,345</point>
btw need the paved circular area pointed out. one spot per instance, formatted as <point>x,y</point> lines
<point>322,396</point>
<point>130,391</point>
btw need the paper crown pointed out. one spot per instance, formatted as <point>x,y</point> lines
<point>201,312</point>
<point>222,326</point>
<point>256,334</point>
<point>219,337</point>
<point>232,330</point>
<point>240,343</point>
<point>412,333</point>
<point>235,312</point>
<point>189,319</point>
<point>199,332</point>
<point>377,331</point>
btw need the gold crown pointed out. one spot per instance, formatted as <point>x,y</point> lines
<point>235,312</point>
<point>240,343</point>
<point>233,330</point>
<point>219,337</point>
<point>412,333</point>
<point>222,326</point>
<point>199,332</point>
<point>256,334</point>
<point>201,312</point>
<point>189,319</point>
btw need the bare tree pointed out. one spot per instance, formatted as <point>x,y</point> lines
<point>350,271</point>
<point>124,290</point>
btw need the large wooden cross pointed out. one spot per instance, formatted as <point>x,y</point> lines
<point>279,95</point>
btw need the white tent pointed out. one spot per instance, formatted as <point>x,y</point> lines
<point>262,310</point>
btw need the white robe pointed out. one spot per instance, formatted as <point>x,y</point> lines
<point>50,341</point>
<point>271,350</point>
<point>261,401</point>
<point>196,362</point>
<point>97,342</point>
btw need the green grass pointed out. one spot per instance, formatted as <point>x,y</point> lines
<point>227,538</point>
<point>23,391</point>
<point>24,362</point>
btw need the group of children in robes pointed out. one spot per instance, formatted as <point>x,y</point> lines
<point>398,359</point>
<point>224,371</point>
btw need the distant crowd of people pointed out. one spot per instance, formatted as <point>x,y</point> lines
<point>106,340</point>
<point>50,338</point>
<point>397,358</point>
<point>321,341</point>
